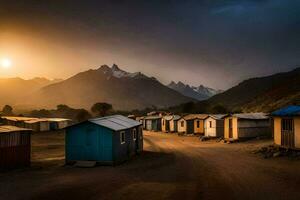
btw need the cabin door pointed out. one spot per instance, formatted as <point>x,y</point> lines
<point>167,125</point>
<point>287,133</point>
<point>91,144</point>
<point>230,129</point>
<point>190,126</point>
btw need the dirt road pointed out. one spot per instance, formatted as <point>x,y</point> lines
<point>171,167</point>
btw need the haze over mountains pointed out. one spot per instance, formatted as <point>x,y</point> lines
<point>200,93</point>
<point>124,90</point>
<point>15,90</point>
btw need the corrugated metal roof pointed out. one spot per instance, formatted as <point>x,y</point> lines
<point>287,111</point>
<point>153,117</point>
<point>195,116</point>
<point>115,122</point>
<point>168,117</point>
<point>176,117</point>
<point>7,129</point>
<point>218,116</point>
<point>251,115</point>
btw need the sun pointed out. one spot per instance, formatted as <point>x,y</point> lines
<point>5,63</point>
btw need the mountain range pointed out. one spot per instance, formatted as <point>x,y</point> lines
<point>200,93</point>
<point>124,90</point>
<point>128,91</point>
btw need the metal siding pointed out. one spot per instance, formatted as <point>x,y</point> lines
<point>95,145</point>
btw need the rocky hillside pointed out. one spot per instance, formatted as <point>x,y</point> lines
<point>262,94</point>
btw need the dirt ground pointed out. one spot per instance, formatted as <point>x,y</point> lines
<point>171,167</point>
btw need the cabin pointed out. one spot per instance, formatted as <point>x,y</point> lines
<point>286,127</point>
<point>106,140</point>
<point>165,123</point>
<point>174,123</point>
<point>142,121</point>
<point>246,126</point>
<point>15,146</point>
<point>192,124</point>
<point>153,123</point>
<point>214,126</point>
<point>37,125</point>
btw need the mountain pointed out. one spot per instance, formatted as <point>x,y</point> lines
<point>124,90</point>
<point>199,93</point>
<point>262,94</point>
<point>14,90</point>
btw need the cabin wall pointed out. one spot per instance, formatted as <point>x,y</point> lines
<point>122,152</point>
<point>277,130</point>
<point>200,129</point>
<point>234,127</point>
<point>44,126</point>
<point>163,125</point>
<point>15,149</point>
<point>297,131</point>
<point>173,126</point>
<point>181,126</point>
<point>210,131</point>
<point>253,128</point>
<point>88,141</point>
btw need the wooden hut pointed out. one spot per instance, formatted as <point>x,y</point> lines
<point>246,125</point>
<point>106,140</point>
<point>286,127</point>
<point>165,123</point>
<point>214,125</point>
<point>153,123</point>
<point>174,123</point>
<point>14,146</point>
<point>192,124</point>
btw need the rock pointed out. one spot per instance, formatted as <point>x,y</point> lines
<point>277,154</point>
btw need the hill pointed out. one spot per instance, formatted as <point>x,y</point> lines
<point>262,94</point>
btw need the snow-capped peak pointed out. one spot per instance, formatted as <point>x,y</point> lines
<point>116,72</point>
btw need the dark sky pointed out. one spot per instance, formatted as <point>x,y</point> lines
<point>216,43</point>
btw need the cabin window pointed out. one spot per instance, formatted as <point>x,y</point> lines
<point>198,124</point>
<point>287,124</point>
<point>134,134</point>
<point>182,123</point>
<point>210,124</point>
<point>122,137</point>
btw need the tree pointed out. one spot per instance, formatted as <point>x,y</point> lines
<point>101,109</point>
<point>82,115</point>
<point>62,108</point>
<point>7,110</point>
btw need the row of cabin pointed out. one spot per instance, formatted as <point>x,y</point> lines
<point>229,126</point>
<point>36,124</point>
<point>107,140</point>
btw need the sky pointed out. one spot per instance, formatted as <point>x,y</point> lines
<point>217,43</point>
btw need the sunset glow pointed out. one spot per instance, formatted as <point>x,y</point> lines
<point>5,63</point>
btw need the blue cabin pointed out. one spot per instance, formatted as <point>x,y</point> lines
<point>106,140</point>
